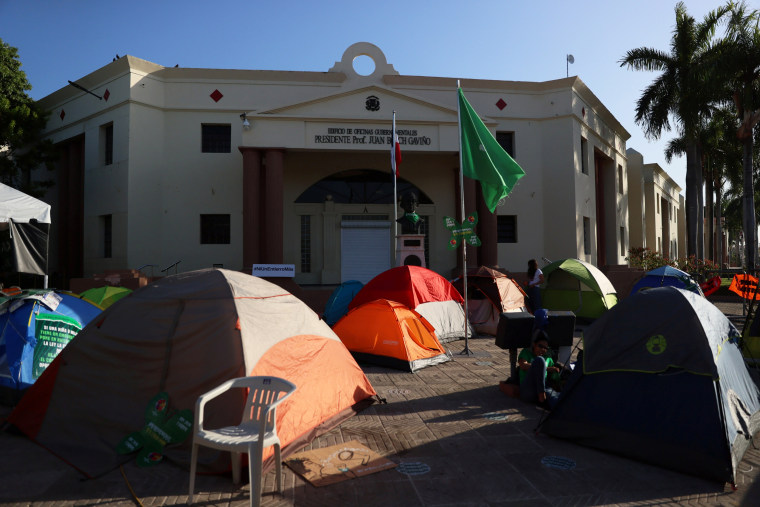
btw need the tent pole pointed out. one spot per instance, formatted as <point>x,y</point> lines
<point>466,351</point>
<point>395,192</point>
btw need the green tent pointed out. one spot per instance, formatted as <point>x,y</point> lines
<point>577,286</point>
<point>105,296</point>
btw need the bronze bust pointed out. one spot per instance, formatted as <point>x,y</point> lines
<point>410,222</point>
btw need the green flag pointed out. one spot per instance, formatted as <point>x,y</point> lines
<point>483,158</point>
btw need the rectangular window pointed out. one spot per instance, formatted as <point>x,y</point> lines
<point>106,144</point>
<point>506,228</point>
<point>620,179</point>
<point>657,199</point>
<point>507,141</point>
<point>216,138</point>
<point>106,229</point>
<point>587,235</point>
<point>584,155</point>
<point>305,244</point>
<point>215,229</point>
<point>622,241</point>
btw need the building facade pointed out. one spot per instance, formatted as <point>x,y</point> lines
<point>656,208</point>
<point>214,167</point>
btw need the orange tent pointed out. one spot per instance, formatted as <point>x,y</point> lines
<point>390,334</point>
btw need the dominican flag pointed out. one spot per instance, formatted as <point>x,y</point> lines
<point>395,149</point>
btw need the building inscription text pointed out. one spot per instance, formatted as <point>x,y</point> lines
<point>370,136</point>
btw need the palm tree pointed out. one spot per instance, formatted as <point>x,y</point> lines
<point>724,157</point>
<point>710,138</point>
<point>734,195</point>
<point>681,92</point>
<point>739,62</point>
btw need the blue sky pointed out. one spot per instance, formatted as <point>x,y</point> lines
<point>514,40</point>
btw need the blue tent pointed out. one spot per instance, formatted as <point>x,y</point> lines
<point>669,363</point>
<point>34,327</point>
<point>667,276</point>
<point>337,305</point>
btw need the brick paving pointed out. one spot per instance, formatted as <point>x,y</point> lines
<point>475,445</point>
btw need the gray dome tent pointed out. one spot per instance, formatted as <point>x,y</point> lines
<point>667,360</point>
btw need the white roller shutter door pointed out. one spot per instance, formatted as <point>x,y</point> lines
<point>365,249</point>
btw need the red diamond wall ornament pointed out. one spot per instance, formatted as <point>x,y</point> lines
<point>501,104</point>
<point>63,114</point>
<point>106,95</point>
<point>216,95</point>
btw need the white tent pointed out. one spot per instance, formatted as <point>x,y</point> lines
<point>29,222</point>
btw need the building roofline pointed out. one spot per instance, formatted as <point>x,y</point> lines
<point>128,64</point>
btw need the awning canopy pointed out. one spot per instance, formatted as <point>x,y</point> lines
<point>21,208</point>
<point>29,222</point>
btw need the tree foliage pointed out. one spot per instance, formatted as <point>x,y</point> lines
<point>22,121</point>
<point>704,73</point>
<point>682,93</point>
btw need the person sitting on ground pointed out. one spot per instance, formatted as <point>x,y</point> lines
<point>534,365</point>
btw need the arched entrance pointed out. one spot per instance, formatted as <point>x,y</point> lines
<point>357,229</point>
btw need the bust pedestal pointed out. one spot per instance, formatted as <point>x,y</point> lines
<point>411,250</point>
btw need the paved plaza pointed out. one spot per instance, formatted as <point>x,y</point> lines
<point>458,440</point>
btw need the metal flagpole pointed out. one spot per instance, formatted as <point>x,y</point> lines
<point>466,350</point>
<point>394,164</point>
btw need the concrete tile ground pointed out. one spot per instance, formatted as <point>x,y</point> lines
<point>462,440</point>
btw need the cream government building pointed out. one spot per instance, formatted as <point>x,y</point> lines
<point>232,168</point>
<point>658,219</point>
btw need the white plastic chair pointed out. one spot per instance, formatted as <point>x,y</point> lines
<point>257,430</point>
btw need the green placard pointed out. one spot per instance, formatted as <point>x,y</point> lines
<point>53,333</point>
<point>160,430</point>
<point>464,233</point>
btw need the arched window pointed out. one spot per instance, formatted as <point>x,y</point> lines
<point>360,186</point>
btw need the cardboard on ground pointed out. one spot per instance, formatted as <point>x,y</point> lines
<point>337,463</point>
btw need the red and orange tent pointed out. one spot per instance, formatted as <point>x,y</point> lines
<point>390,334</point>
<point>423,291</point>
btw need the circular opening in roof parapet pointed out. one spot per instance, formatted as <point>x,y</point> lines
<point>364,65</point>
